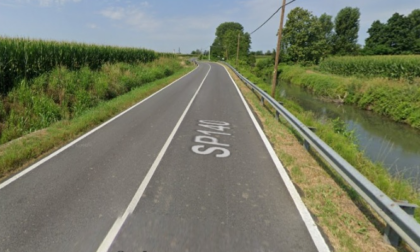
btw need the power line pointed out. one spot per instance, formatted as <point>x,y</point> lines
<point>271,16</point>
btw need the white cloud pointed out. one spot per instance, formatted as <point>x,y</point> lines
<point>133,17</point>
<point>114,13</point>
<point>92,26</point>
<point>44,3</point>
<point>59,2</point>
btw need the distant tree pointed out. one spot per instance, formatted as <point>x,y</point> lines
<point>226,42</point>
<point>303,37</point>
<point>195,52</point>
<point>218,47</point>
<point>399,35</point>
<point>375,43</point>
<point>268,52</point>
<point>414,18</point>
<point>346,25</point>
<point>259,53</point>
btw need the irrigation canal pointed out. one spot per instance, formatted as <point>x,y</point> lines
<point>396,146</point>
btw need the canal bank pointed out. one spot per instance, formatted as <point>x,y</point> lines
<point>394,145</point>
<point>334,133</point>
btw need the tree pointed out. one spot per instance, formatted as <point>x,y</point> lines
<point>218,48</point>
<point>303,37</point>
<point>226,42</point>
<point>400,35</point>
<point>346,26</point>
<point>327,27</point>
<point>414,18</point>
<point>375,43</point>
<point>195,52</point>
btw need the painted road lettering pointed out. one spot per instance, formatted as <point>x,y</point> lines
<point>212,144</point>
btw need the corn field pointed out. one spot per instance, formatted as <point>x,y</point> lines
<point>25,58</point>
<point>393,67</point>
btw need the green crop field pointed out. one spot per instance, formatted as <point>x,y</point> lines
<point>25,58</point>
<point>393,67</point>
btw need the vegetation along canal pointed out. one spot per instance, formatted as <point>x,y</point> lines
<point>396,146</point>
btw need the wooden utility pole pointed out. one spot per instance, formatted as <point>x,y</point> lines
<point>237,50</point>
<point>276,63</point>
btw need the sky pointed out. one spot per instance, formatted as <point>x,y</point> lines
<point>168,25</point>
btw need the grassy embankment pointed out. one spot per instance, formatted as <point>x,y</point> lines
<point>20,152</point>
<point>387,85</point>
<point>58,84</point>
<point>341,213</point>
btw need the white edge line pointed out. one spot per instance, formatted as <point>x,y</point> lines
<point>303,211</point>
<point>34,166</point>
<point>113,232</point>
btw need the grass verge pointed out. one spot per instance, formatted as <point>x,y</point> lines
<point>342,215</point>
<point>21,152</point>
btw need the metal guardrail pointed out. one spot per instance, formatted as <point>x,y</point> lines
<point>397,219</point>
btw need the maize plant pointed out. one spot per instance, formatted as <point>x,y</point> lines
<point>25,58</point>
<point>392,67</point>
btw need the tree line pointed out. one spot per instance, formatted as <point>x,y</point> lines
<point>308,38</point>
<point>399,35</point>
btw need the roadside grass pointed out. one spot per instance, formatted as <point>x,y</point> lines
<point>62,94</point>
<point>21,152</point>
<point>342,215</point>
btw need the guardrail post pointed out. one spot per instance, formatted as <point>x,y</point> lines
<point>262,100</point>
<point>390,236</point>
<point>313,129</point>
<point>306,145</point>
<point>277,115</point>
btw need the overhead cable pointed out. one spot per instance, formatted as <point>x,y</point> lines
<point>271,16</point>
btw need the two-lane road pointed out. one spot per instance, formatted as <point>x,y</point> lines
<point>188,169</point>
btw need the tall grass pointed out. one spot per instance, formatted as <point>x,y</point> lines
<point>394,67</point>
<point>64,94</point>
<point>31,147</point>
<point>26,58</point>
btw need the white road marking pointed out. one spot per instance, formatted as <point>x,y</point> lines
<point>303,211</point>
<point>37,164</point>
<point>113,232</point>
<point>214,125</point>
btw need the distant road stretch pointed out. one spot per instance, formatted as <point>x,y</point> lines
<point>187,169</point>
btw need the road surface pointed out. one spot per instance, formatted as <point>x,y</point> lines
<point>187,169</point>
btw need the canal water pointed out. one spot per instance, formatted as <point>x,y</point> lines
<point>396,146</point>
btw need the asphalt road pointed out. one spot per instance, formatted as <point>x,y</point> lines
<point>185,170</point>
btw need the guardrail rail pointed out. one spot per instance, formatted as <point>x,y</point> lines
<point>401,224</point>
